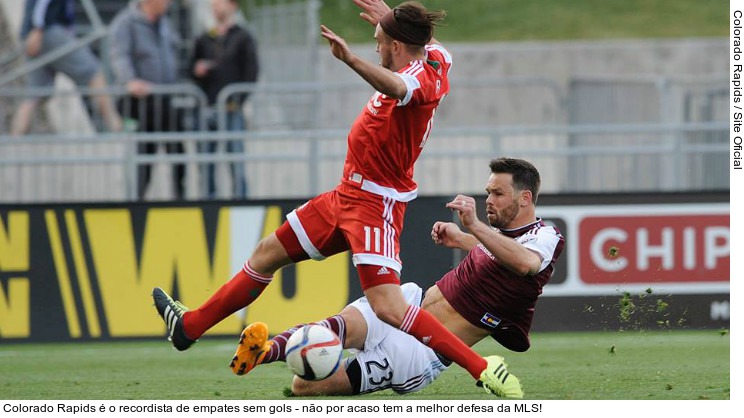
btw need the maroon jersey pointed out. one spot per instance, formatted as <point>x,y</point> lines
<point>490,296</point>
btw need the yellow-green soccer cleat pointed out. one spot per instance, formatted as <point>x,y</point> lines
<point>252,348</point>
<point>498,381</point>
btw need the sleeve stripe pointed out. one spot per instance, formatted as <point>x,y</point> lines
<point>412,84</point>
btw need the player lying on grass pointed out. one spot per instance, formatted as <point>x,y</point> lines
<point>493,291</point>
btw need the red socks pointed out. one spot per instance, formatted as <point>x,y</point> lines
<point>431,332</point>
<point>234,295</point>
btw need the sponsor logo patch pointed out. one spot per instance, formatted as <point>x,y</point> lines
<point>527,239</point>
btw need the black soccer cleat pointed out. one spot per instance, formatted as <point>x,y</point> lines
<point>172,313</point>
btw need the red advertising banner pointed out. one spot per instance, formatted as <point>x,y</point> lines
<point>668,248</point>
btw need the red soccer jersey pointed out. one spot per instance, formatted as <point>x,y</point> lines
<point>388,135</point>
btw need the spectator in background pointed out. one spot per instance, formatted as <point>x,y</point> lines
<point>223,55</point>
<point>143,54</point>
<point>49,25</point>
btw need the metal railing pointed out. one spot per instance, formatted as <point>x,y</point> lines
<point>297,163</point>
<point>290,156</point>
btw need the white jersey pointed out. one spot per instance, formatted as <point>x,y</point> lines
<point>392,359</point>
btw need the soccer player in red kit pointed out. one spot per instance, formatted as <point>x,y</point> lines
<point>492,292</point>
<point>364,213</point>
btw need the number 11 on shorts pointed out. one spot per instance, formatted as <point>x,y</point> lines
<point>368,238</point>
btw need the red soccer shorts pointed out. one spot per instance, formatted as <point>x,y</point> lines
<point>342,219</point>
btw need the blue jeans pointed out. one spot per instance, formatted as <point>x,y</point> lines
<point>235,122</point>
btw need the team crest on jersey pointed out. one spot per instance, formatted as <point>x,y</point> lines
<point>490,320</point>
<point>374,103</point>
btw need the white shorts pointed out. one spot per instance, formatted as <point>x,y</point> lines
<point>392,359</point>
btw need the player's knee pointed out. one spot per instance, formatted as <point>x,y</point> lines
<point>263,247</point>
<point>356,328</point>
<point>269,256</point>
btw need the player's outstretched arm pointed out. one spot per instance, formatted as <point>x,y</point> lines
<point>372,10</point>
<point>380,78</point>
<point>449,235</point>
<point>510,253</point>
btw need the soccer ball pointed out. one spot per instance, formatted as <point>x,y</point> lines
<point>313,352</point>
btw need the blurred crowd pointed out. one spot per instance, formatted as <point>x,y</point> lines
<point>143,59</point>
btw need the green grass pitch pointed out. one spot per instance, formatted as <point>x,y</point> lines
<point>666,365</point>
<point>519,20</point>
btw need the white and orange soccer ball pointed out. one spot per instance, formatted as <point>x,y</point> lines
<point>313,352</point>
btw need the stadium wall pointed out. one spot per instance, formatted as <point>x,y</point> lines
<point>561,63</point>
<point>85,272</point>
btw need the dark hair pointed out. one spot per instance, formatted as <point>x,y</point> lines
<point>524,175</point>
<point>411,23</point>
